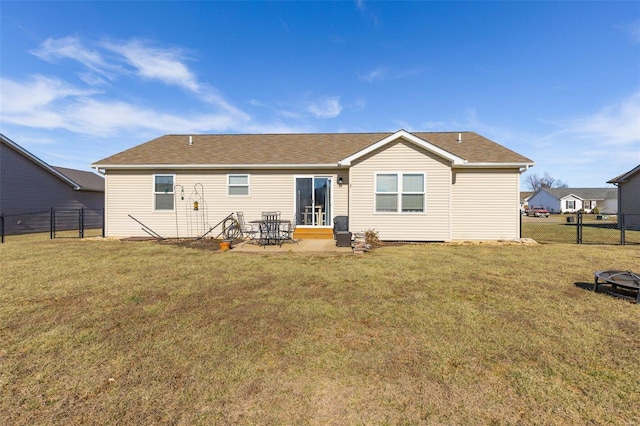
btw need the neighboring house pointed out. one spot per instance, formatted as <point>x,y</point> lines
<point>524,200</point>
<point>629,197</point>
<point>571,200</point>
<point>406,186</point>
<point>29,185</point>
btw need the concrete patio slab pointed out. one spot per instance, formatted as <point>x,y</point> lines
<point>312,245</point>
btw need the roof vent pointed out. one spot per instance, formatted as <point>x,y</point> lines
<point>190,140</point>
<point>459,137</point>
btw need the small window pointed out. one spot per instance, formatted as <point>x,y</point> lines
<point>163,192</point>
<point>571,205</point>
<point>238,184</point>
<point>400,192</point>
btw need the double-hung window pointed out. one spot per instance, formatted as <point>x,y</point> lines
<point>571,205</point>
<point>163,192</point>
<point>238,184</point>
<point>400,193</point>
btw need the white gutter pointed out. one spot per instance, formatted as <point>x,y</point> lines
<point>493,165</point>
<point>213,166</point>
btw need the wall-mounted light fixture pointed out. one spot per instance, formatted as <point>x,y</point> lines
<point>195,205</point>
<point>340,180</point>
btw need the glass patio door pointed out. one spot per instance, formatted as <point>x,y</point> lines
<point>313,201</point>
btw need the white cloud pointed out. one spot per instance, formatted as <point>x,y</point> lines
<point>359,104</point>
<point>110,59</point>
<point>38,92</point>
<point>72,48</point>
<point>50,103</point>
<point>377,74</point>
<point>633,29</point>
<point>155,63</point>
<point>583,151</point>
<point>382,73</point>
<point>617,124</point>
<point>325,108</point>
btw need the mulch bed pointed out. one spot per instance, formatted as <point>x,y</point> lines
<point>208,244</point>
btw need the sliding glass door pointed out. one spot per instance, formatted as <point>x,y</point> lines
<point>313,201</point>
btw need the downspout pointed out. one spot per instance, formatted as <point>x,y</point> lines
<point>105,211</point>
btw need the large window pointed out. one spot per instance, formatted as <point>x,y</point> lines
<point>238,184</point>
<point>571,205</point>
<point>163,192</point>
<point>400,192</point>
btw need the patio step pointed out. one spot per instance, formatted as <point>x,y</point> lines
<point>313,233</point>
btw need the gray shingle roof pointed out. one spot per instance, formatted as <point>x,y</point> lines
<point>294,149</point>
<point>87,181</point>
<point>623,177</point>
<point>584,193</point>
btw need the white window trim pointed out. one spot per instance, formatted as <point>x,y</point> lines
<point>399,192</point>
<point>248,185</point>
<point>154,193</point>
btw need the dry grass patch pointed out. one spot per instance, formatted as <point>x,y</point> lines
<point>113,332</point>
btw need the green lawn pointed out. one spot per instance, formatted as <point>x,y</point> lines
<point>107,332</point>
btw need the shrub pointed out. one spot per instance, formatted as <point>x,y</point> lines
<point>371,236</point>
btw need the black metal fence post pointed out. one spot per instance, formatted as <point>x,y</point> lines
<point>103,222</point>
<point>81,222</point>
<point>2,227</point>
<point>520,218</point>
<point>52,223</point>
<point>579,228</point>
<point>622,234</point>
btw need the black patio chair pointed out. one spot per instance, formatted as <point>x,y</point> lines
<point>270,229</point>
<point>248,230</point>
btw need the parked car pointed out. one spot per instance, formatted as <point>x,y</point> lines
<point>537,211</point>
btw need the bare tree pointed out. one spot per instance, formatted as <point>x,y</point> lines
<point>535,182</point>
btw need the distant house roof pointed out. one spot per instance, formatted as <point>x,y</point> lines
<point>625,176</point>
<point>78,179</point>
<point>86,181</point>
<point>584,193</point>
<point>525,195</point>
<point>295,150</point>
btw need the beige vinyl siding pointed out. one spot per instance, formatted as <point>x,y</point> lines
<point>401,157</point>
<point>131,192</point>
<point>485,204</point>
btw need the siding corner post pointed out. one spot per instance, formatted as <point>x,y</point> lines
<point>2,228</point>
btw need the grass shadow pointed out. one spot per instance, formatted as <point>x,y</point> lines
<point>618,292</point>
<point>585,286</point>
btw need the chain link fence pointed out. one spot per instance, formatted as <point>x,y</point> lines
<point>583,228</point>
<point>79,223</point>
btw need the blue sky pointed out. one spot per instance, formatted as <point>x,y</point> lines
<point>558,82</point>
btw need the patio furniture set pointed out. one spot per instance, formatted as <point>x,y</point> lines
<point>271,229</point>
